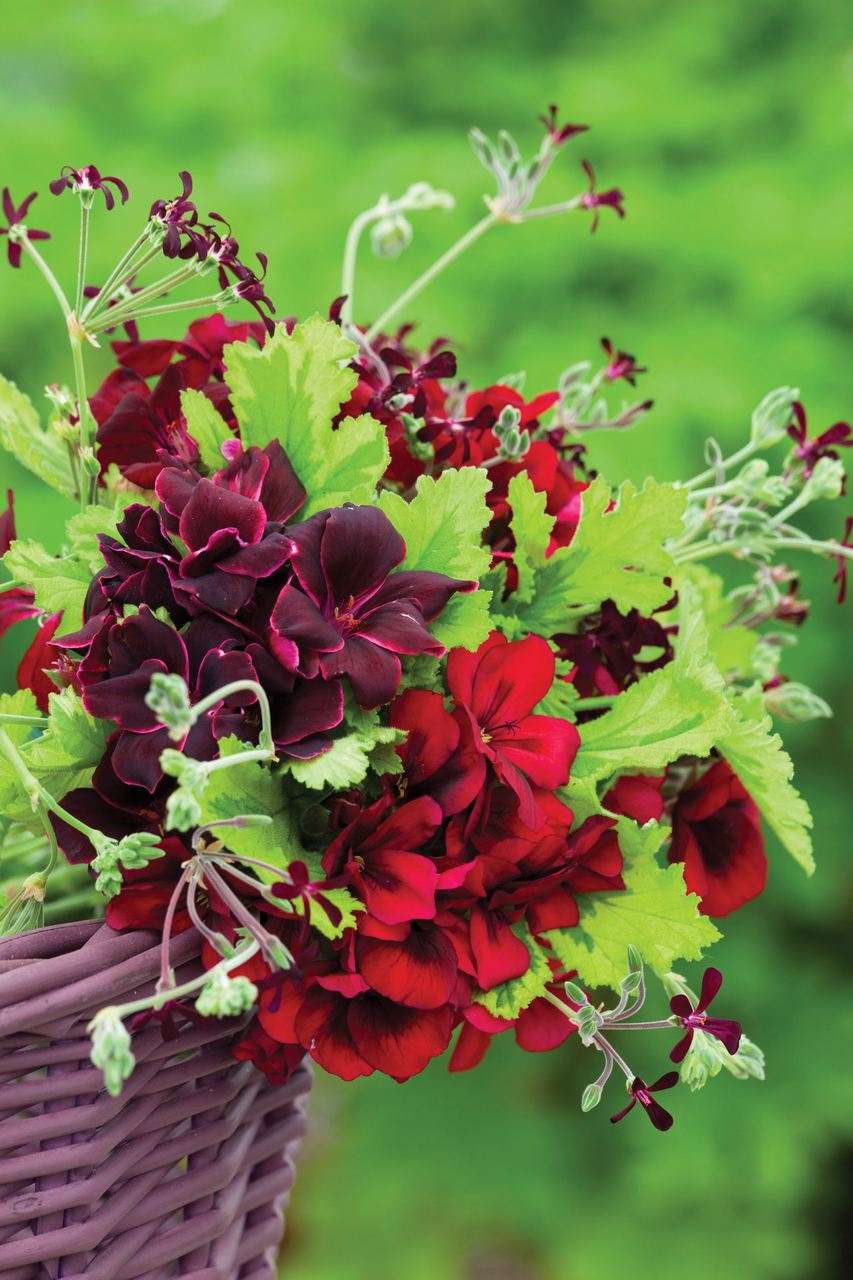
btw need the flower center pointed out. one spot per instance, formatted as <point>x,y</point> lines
<point>345,617</point>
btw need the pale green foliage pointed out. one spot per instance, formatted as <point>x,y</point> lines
<point>560,698</point>
<point>755,753</point>
<point>290,391</point>
<point>348,760</point>
<point>464,622</point>
<point>508,998</point>
<point>420,671</point>
<point>531,528</point>
<point>207,427</point>
<point>654,913</point>
<point>443,525</point>
<point>21,435</point>
<point>732,647</point>
<point>57,583</point>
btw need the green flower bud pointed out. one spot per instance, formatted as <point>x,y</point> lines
<point>631,982</point>
<point>591,1097</point>
<point>276,954</point>
<point>183,810</point>
<point>826,481</point>
<point>169,699</point>
<point>795,701</point>
<point>771,419</point>
<point>422,195</point>
<point>89,462</point>
<point>390,236</point>
<point>111,1049</point>
<point>748,1061</point>
<point>575,994</point>
<point>225,997</point>
<point>635,960</point>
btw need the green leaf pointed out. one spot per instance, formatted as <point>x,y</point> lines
<point>654,913</point>
<point>421,671</point>
<point>531,528</point>
<point>578,577</point>
<point>508,998</point>
<point>443,525</point>
<point>74,730</point>
<point>348,760</point>
<point>464,622</point>
<point>731,646</point>
<point>41,451</point>
<point>61,759</point>
<point>57,583</point>
<point>561,697</point>
<point>207,427</point>
<point>755,753</point>
<point>290,391</point>
<point>21,703</point>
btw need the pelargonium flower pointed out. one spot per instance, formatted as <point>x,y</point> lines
<point>347,612</point>
<point>638,796</point>
<point>716,834</point>
<point>560,134</point>
<point>141,645</point>
<point>250,288</point>
<point>621,365</point>
<point>641,1092</point>
<point>15,219</point>
<point>811,451</point>
<point>177,218</point>
<point>276,1061</point>
<point>39,657</point>
<point>606,650</point>
<point>143,424</point>
<point>88,179</point>
<point>439,757</point>
<point>593,199</point>
<point>498,687</point>
<point>538,1028</point>
<point>695,1019</point>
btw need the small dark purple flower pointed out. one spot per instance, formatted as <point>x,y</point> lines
<point>178,218</point>
<point>621,365</point>
<point>88,179</point>
<point>593,199</point>
<point>165,1015</point>
<point>696,1020</point>
<point>640,1092</point>
<point>15,218</point>
<point>346,612</point>
<point>811,451</point>
<point>557,133</point>
<point>841,572</point>
<point>250,288</point>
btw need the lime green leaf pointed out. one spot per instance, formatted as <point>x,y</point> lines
<point>561,697</point>
<point>755,753</point>
<point>21,703</point>
<point>61,759</point>
<point>41,451</point>
<point>531,528</point>
<point>732,646</point>
<point>348,760</point>
<point>654,913</point>
<point>74,730</point>
<point>58,584</point>
<point>421,671</point>
<point>464,622</point>
<point>290,391</point>
<point>508,998</point>
<point>443,525</point>
<point>207,427</point>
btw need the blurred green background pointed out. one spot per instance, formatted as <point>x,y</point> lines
<point>729,126</point>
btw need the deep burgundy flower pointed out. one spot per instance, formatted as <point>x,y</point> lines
<point>498,687</point>
<point>606,650</point>
<point>559,134</point>
<point>178,217</point>
<point>88,179</point>
<point>641,1092</point>
<point>141,645</point>
<point>277,1061</point>
<point>141,425</point>
<point>347,612</point>
<point>716,834</point>
<point>300,885</point>
<point>15,218</point>
<point>841,572</point>
<point>593,199</point>
<point>396,884</point>
<point>810,451</point>
<point>695,1019</point>
<point>249,286</point>
<point>621,365</point>
<point>230,539</point>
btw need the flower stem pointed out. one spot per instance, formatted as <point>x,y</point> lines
<point>49,276</point>
<point>120,275</point>
<point>87,430</point>
<point>592,704</point>
<point>429,275</point>
<point>236,686</point>
<point>110,321</point>
<point>350,251</point>
<point>81,259</point>
<point>187,988</point>
<point>33,720</point>
<point>712,472</point>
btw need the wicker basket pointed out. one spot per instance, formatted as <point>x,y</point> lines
<point>186,1174</point>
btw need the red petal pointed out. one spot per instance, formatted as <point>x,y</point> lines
<point>541,1026</point>
<point>558,911</point>
<point>322,1027</point>
<point>433,733</point>
<point>470,1048</point>
<point>399,886</point>
<point>396,1040</point>
<point>479,1017</point>
<point>419,972</point>
<point>500,955</point>
<point>638,797</point>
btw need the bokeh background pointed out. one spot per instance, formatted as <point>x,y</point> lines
<point>729,125</point>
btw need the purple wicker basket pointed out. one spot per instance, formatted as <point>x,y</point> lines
<point>186,1174</point>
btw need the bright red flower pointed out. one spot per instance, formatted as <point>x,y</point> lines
<point>32,672</point>
<point>276,1061</point>
<point>716,834</point>
<point>498,687</point>
<point>439,757</point>
<point>419,971</point>
<point>395,884</point>
<point>637,796</point>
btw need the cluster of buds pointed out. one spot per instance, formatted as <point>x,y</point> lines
<point>581,407</point>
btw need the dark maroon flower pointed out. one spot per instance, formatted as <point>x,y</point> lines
<point>141,645</point>
<point>841,572</point>
<point>621,365</point>
<point>88,179</point>
<point>178,218</point>
<point>810,451</point>
<point>593,199</point>
<point>249,286</point>
<point>641,1092</point>
<point>696,1020</point>
<point>349,614</point>
<point>716,834</point>
<point>15,218</point>
<point>559,134</point>
<point>141,425</point>
<point>303,887</point>
<point>605,651</point>
<point>166,1015</point>
<point>276,1061</point>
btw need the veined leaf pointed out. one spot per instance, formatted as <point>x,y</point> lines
<point>40,451</point>
<point>57,583</point>
<point>207,427</point>
<point>443,525</point>
<point>531,528</point>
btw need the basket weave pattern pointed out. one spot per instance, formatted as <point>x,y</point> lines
<point>186,1174</point>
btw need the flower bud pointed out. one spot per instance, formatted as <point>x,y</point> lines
<point>631,982</point>
<point>771,419</point>
<point>635,960</point>
<point>89,462</point>
<point>748,1061</point>
<point>183,810</point>
<point>169,699</point>
<point>276,954</point>
<point>795,701</point>
<point>138,849</point>
<point>422,195</point>
<point>111,1049</point>
<point>226,997</point>
<point>575,994</point>
<point>390,236</point>
<point>591,1097</point>
<point>826,481</point>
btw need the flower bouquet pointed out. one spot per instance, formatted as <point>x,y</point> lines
<point>366,715</point>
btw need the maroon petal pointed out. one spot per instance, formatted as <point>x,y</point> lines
<point>221,544</point>
<point>724,1030</point>
<point>261,559</point>
<point>221,592</point>
<point>307,539</point>
<point>123,698</point>
<point>396,1040</point>
<point>679,1053</point>
<point>298,618</point>
<point>313,707</point>
<point>400,628</point>
<point>136,758</point>
<point>431,590</point>
<point>712,980</point>
<point>360,548</point>
<point>219,669</point>
<point>282,492</point>
<point>374,673</point>
<point>681,1005</point>
<point>210,509</point>
<point>659,1117</point>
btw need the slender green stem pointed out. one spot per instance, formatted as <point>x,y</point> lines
<point>8,586</point>
<point>81,259</point>
<point>548,209</point>
<point>723,466</point>
<point>48,275</point>
<point>110,321</point>
<point>157,290</point>
<point>762,545</point>
<point>31,784</point>
<point>430,274</point>
<point>114,280</point>
<point>31,720</point>
<point>350,251</point>
<point>51,835</point>
<point>177,993</point>
<point>87,429</point>
<point>592,704</point>
<point>237,686</point>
